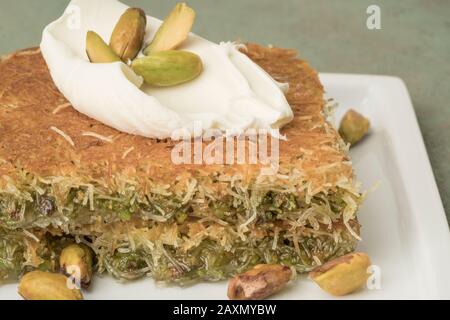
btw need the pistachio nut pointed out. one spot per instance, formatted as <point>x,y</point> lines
<point>174,30</point>
<point>77,261</point>
<point>97,49</point>
<point>343,275</point>
<point>128,35</point>
<point>354,127</point>
<point>38,285</point>
<point>259,283</point>
<point>168,68</point>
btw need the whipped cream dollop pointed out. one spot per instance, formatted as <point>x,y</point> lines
<point>232,93</point>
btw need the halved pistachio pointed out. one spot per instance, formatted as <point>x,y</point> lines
<point>343,275</point>
<point>38,285</point>
<point>174,30</point>
<point>168,68</point>
<point>259,283</point>
<point>354,126</point>
<point>97,49</point>
<point>77,261</point>
<point>128,35</point>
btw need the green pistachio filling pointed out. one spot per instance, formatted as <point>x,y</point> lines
<point>172,236</point>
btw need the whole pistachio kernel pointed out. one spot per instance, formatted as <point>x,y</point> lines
<point>98,51</point>
<point>127,37</point>
<point>174,30</point>
<point>260,282</point>
<point>168,68</point>
<point>343,275</point>
<point>354,126</point>
<point>39,285</point>
<point>77,261</point>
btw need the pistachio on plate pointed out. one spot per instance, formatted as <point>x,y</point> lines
<point>260,282</point>
<point>354,126</point>
<point>343,275</point>
<point>97,49</point>
<point>128,35</point>
<point>168,68</point>
<point>77,261</point>
<point>174,30</point>
<point>38,285</point>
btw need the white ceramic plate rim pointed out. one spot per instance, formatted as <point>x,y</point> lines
<point>427,216</point>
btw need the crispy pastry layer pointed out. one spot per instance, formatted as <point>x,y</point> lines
<point>28,99</point>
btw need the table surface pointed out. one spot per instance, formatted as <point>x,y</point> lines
<point>413,44</point>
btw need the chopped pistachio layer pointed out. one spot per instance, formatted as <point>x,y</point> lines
<point>176,242</point>
<point>181,235</point>
<point>209,260</point>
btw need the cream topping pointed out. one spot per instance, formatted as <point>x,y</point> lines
<point>233,93</point>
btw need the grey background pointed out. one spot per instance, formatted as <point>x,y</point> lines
<point>414,44</point>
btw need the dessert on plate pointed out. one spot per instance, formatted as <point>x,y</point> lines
<point>86,157</point>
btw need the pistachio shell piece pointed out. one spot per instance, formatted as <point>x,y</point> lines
<point>97,49</point>
<point>260,282</point>
<point>343,275</point>
<point>354,126</point>
<point>128,35</point>
<point>38,285</point>
<point>174,30</point>
<point>168,68</point>
<point>77,260</point>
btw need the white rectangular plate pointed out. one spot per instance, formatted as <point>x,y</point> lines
<point>404,226</point>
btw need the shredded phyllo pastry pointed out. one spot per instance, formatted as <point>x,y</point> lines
<point>64,135</point>
<point>98,136</point>
<point>127,152</point>
<point>144,216</point>
<point>61,107</point>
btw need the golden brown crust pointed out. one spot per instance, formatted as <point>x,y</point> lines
<point>28,99</point>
